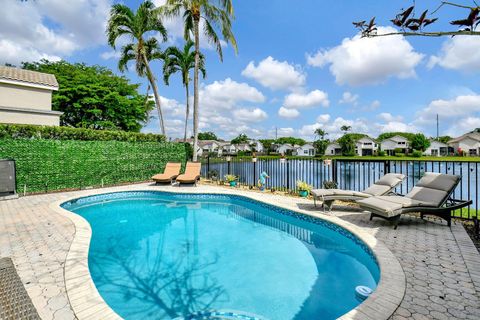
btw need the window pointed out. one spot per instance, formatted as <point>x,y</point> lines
<point>367,143</point>
<point>305,152</point>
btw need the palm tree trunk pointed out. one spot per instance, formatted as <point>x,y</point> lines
<point>187,112</point>
<point>153,83</point>
<point>196,22</point>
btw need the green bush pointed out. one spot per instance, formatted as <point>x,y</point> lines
<point>417,154</point>
<point>397,150</point>
<point>399,154</point>
<point>47,165</point>
<point>19,131</point>
<point>381,153</point>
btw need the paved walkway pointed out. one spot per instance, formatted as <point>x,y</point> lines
<point>441,265</point>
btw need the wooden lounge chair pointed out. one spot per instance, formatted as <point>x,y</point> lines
<point>192,173</point>
<point>431,196</point>
<point>171,172</point>
<point>383,186</point>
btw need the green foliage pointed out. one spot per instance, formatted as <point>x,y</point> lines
<point>21,131</point>
<point>329,185</point>
<point>230,178</point>
<point>417,154</point>
<point>399,154</point>
<point>321,146</point>
<point>444,139</point>
<point>46,165</point>
<point>207,136</point>
<point>94,97</point>
<point>303,186</point>
<point>397,150</point>
<point>242,138</point>
<point>381,153</point>
<point>420,142</point>
<point>387,135</point>
<point>290,140</point>
<point>347,143</point>
<point>267,145</point>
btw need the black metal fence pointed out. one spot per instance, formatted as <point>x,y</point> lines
<point>355,174</point>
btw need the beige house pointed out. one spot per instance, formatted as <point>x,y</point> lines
<point>26,97</point>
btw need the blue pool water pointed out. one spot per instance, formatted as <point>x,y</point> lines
<point>157,255</point>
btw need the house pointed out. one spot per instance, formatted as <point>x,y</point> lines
<point>436,149</point>
<point>333,149</point>
<point>396,142</point>
<point>365,146</point>
<point>307,150</point>
<point>26,97</point>
<point>285,148</point>
<point>256,146</point>
<point>469,143</point>
<point>229,148</point>
<point>243,147</point>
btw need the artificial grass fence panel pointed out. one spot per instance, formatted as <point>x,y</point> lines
<point>47,165</point>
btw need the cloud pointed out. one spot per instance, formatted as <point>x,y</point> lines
<point>311,99</point>
<point>362,61</point>
<point>250,115</point>
<point>349,98</point>
<point>458,53</point>
<point>107,55</point>
<point>323,118</point>
<point>50,29</point>
<point>275,75</point>
<point>388,117</point>
<point>288,113</point>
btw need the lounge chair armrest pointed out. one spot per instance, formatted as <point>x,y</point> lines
<point>454,204</point>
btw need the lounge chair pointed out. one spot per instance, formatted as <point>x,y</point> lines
<point>383,186</point>
<point>192,173</point>
<point>431,196</point>
<point>171,172</point>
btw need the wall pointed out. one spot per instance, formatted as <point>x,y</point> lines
<point>48,118</point>
<point>25,97</point>
<point>47,165</point>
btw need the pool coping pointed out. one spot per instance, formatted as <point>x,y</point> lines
<point>87,302</point>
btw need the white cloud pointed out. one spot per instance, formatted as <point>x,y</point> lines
<point>373,106</point>
<point>459,53</point>
<point>50,29</point>
<point>388,117</point>
<point>349,98</point>
<point>281,132</point>
<point>288,113</point>
<point>275,75</point>
<point>107,55</point>
<point>323,118</point>
<point>361,61</point>
<point>311,99</point>
<point>250,115</point>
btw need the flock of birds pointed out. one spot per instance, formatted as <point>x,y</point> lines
<point>406,20</point>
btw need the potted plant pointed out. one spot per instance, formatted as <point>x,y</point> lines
<point>231,179</point>
<point>303,188</point>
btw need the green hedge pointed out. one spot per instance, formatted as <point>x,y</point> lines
<point>67,133</point>
<point>47,165</point>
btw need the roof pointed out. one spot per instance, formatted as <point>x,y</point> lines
<point>27,77</point>
<point>397,138</point>
<point>470,135</point>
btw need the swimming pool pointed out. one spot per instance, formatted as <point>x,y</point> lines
<point>157,255</point>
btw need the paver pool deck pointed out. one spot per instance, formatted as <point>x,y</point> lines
<point>441,264</point>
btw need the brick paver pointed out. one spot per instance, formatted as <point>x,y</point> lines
<point>439,262</point>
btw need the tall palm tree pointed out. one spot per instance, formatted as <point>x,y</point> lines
<point>215,15</point>
<point>144,47</point>
<point>346,128</point>
<point>177,60</point>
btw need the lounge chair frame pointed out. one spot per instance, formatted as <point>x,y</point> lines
<point>443,211</point>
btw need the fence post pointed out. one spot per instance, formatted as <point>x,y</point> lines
<point>208,166</point>
<point>254,172</point>
<point>228,167</point>
<point>386,166</point>
<point>288,174</point>
<point>334,170</point>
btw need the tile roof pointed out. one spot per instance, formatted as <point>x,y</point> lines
<point>27,76</point>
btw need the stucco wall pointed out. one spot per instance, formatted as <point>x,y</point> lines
<point>29,118</point>
<point>25,97</point>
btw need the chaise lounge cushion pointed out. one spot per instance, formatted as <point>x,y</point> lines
<point>337,192</point>
<point>390,179</point>
<point>389,205</point>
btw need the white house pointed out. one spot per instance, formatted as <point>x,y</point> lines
<point>245,147</point>
<point>307,150</point>
<point>285,148</point>
<point>469,143</point>
<point>333,149</point>
<point>436,149</point>
<point>365,146</point>
<point>229,148</point>
<point>26,97</point>
<point>396,142</point>
<point>256,146</point>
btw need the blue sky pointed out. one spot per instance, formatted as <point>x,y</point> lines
<point>300,66</point>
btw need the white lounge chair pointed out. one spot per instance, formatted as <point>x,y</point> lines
<point>383,186</point>
<point>432,195</point>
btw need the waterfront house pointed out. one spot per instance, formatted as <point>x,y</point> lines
<point>256,146</point>
<point>469,143</point>
<point>243,147</point>
<point>366,146</point>
<point>436,149</point>
<point>395,143</point>
<point>333,149</point>
<point>307,150</point>
<point>26,97</point>
<point>229,148</point>
<point>285,148</point>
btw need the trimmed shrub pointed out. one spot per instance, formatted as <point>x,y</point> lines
<point>47,165</point>
<point>381,153</point>
<point>417,154</point>
<point>399,154</point>
<point>21,131</point>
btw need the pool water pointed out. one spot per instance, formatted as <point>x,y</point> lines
<point>157,255</point>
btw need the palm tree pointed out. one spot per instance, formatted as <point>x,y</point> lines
<point>136,25</point>
<point>320,133</point>
<point>346,128</point>
<point>182,61</point>
<point>217,15</point>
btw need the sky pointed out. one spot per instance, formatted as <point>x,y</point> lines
<point>301,65</point>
